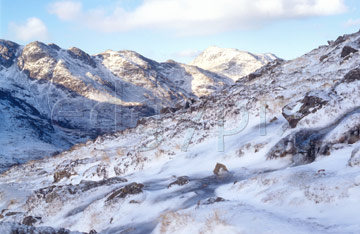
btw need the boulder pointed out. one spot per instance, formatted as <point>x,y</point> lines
<point>347,50</point>
<point>182,180</point>
<point>30,220</point>
<point>130,189</point>
<point>220,169</point>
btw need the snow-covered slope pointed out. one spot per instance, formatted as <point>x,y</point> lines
<point>214,167</point>
<point>231,63</point>
<point>78,97</point>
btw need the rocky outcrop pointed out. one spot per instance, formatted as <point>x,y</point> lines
<point>76,53</point>
<point>7,53</point>
<point>312,102</point>
<point>30,220</point>
<point>63,192</point>
<point>130,189</point>
<point>347,50</point>
<point>15,228</point>
<point>352,76</point>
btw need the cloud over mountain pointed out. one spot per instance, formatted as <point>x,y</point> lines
<point>187,17</point>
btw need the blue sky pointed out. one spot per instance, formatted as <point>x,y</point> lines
<point>179,29</point>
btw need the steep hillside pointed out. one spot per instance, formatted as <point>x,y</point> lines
<point>277,152</point>
<point>73,97</point>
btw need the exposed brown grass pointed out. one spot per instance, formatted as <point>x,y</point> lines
<point>173,221</point>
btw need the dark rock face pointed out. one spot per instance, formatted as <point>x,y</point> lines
<point>130,189</point>
<point>182,180</point>
<point>309,104</point>
<point>306,144</point>
<point>302,146</point>
<point>347,50</point>
<point>30,220</point>
<point>54,46</point>
<point>76,53</point>
<point>352,76</point>
<point>7,52</point>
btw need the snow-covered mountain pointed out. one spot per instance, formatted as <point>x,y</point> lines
<point>277,152</point>
<point>52,98</point>
<point>231,63</point>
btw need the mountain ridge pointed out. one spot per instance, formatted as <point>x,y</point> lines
<point>82,96</point>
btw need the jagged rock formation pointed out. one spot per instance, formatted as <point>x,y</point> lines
<point>293,174</point>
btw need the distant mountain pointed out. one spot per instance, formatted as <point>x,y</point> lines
<point>231,63</point>
<point>52,98</point>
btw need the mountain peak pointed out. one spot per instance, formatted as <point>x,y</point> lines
<point>232,63</point>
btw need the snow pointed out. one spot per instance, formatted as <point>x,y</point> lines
<point>232,63</point>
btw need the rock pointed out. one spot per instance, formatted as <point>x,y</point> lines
<point>7,52</point>
<point>322,58</point>
<point>101,171</point>
<point>303,146</point>
<point>76,53</point>
<point>49,194</point>
<point>220,169</point>
<point>54,46</point>
<point>340,40</point>
<point>16,228</point>
<point>352,76</point>
<point>354,136</point>
<point>312,102</point>
<point>355,158</point>
<point>11,213</point>
<point>182,180</point>
<point>30,220</point>
<point>59,175</point>
<point>93,231</point>
<point>167,110</point>
<point>213,200</point>
<point>130,189</point>
<point>347,50</point>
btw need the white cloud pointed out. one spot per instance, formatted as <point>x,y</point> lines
<point>66,10</point>
<point>33,29</point>
<point>352,22</point>
<point>187,54</point>
<point>197,16</point>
